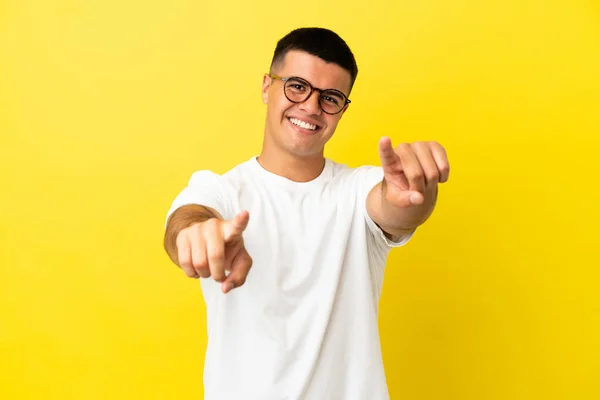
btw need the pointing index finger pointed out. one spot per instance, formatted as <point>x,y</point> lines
<point>386,152</point>
<point>236,226</point>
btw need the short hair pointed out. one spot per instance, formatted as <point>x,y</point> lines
<point>320,42</point>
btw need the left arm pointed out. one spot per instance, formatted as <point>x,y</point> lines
<point>407,195</point>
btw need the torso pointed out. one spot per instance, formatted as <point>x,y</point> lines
<point>304,325</point>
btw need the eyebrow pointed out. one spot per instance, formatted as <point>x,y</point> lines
<point>327,88</point>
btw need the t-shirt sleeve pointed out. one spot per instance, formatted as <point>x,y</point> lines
<point>371,176</point>
<point>204,188</point>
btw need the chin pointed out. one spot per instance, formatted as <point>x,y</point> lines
<point>303,149</point>
<point>308,153</point>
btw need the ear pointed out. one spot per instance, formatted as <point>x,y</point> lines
<point>265,87</point>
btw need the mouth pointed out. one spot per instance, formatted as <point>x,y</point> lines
<point>303,126</point>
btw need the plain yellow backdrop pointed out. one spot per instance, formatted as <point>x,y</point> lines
<point>107,107</point>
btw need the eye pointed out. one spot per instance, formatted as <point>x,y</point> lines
<point>296,86</point>
<point>332,98</point>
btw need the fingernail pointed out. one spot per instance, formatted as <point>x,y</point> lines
<point>414,198</point>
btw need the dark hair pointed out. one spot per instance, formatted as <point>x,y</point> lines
<point>320,42</point>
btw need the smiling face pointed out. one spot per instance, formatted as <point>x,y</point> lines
<point>301,129</point>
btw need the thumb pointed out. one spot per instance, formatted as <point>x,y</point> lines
<point>233,228</point>
<point>406,198</point>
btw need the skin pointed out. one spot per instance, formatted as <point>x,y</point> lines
<point>204,245</point>
<point>290,151</point>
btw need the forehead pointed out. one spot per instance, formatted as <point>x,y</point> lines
<point>319,73</point>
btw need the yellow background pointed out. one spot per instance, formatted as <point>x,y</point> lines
<point>107,107</point>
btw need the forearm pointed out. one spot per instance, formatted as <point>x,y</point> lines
<point>182,218</point>
<point>398,221</point>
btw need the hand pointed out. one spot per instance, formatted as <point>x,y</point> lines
<point>214,247</point>
<point>412,171</point>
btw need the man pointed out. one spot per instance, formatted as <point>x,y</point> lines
<point>292,246</point>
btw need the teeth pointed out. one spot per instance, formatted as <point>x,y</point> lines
<point>303,124</point>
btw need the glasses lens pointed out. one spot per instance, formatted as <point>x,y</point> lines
<point>332,101</point>
<point>297,90</point>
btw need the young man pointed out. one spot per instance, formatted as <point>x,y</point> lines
<point>292,246</point>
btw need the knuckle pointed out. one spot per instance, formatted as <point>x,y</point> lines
<point>184,259</point>
<point>208,222</point>
<point>188,269</point>
<point>206,227</point>
<point>217,255</point>
<point>211,223</point>
<point>441,149</point>
<point>432,175</point>
<point>240,281</point>
<point>201,265</point>
<point>404,147</point>
<point>415,175</point>
<point>203,272</point>
<point>193,229</point>
<point>190,272</point>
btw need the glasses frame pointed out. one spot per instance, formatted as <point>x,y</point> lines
<point>312,89</point>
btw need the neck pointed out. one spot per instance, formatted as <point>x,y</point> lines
<point>294,168</point>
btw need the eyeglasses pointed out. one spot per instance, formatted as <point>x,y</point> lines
<point>298,90</point>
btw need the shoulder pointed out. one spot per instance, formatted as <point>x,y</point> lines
<point>207,177</point>
<point>212,189</point>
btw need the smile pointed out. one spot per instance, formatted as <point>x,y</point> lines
<point>303,124</point>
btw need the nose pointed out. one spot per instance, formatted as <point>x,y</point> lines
<point>311,105</point>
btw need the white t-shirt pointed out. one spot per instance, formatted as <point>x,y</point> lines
<point>304,325</point>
